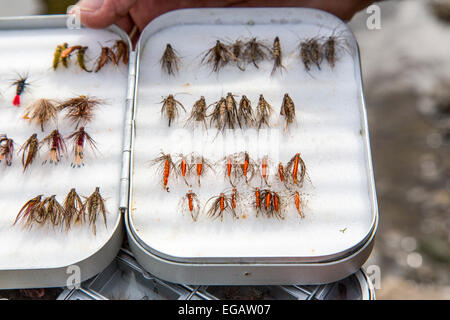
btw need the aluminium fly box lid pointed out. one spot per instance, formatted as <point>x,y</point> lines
<point>339,202</point>
<point>44,256</point>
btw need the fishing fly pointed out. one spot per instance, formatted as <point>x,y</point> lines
<point>41,112</point>
<point>80,110</point>
<point>198,113</point>
<point>170,61</point>
<point>191,203</point>
<point>56,145</point>
<point>171,107</point>
<point>263,112</point>
<point>165,167</point>
<point>21,84</point>
<point>95,205</point>
<point>218,56</point>
<point>79,138</point>
<point>6,149</point>
<point>287,111</point>
<point>296,168</point>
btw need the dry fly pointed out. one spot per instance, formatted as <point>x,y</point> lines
<point>80,110</point>
<point>52,211</point>
<point>277,56</point>
<point>29,150</point>
<point>198,113</point>
<point>245,113</point>
<point>21,84</point>
<point>256,51</point>
<point>219,206</point>
<point>122,52</point>
<point>287,111</point>
<point>74,209</point>
<point>218,56</point>
<point>106,55</point>
<point>41,112</point>
<point>30,210</point>
<point>263,112</point>
<point>78,139</point>
<point>56,145</point>
<point>200,165</point>
<point>296,169</point>
<point>6,149</point>
<point>170,106</point>
<point>191,203</point>
<point>237,49</point>
<point>166,167</point>
<point>310,52</point>
<point>170,61</point>
<point>331,47</point>
<point>95,205</point>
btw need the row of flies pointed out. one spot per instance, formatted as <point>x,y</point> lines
<point>228,114</point>
<point>79,110</point>
<point>313,51</point>
<point>239,167</point>
<point>40,211</point>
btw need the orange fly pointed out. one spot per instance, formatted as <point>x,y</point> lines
<point>166,166</point>
<point>264,169</point>
<point>191,203</point>
<point>298,168</point>
<point>220,205</point>
<point>281,172</point>
<point>298,204</point>
<point>201,165</point>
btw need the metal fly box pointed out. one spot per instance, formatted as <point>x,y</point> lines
<point>330,243</point>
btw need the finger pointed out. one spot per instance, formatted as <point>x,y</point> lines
<point>126,23</point>
<point>102,13</point>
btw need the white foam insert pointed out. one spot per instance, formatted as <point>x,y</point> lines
<point>338,213</point>
<point>31,51</point>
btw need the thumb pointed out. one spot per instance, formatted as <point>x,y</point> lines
<point>102,13</point>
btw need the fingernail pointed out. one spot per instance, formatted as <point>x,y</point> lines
<point>89,5</point>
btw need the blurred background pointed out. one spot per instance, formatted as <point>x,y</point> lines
<point>406,73</point>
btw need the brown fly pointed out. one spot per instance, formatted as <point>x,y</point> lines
<point>166,168</point>
<point>78,139</point>
<point>263,112</point>
<point>198,113</point>
<point>6,149</point>
<point>41,112</point>
<point>80,110</point>
<point>56,145</point>
<point>296,169</point>
<point>106,55</point>
<point>200,166</point>
<point>30,211</point>
<point>225,113</point>
<point>277,56</point>
<point>29,150</point>
<point>218,56</point>
<point>219,206</point>
<point>310,52</point>
<point>170,106</point>
<point>93,206</point>
<point>245,113</point>
<point>332,46</point>
<point>191,203</point>
<point>256,51</point>
<point>287,111</point>
<point>122,52</point>
<point>170,61</point>
<point>73,209</point>
<point>52,212</point>
<point>237,49</point>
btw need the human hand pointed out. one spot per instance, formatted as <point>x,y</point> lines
<point>130,13</point>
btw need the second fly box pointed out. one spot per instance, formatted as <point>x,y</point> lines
<point>251,160</point>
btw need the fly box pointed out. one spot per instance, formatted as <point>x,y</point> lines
<point>201,223</point>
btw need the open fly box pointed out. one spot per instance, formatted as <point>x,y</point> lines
<point>331,241</point>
